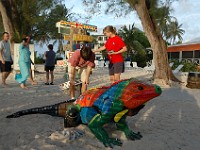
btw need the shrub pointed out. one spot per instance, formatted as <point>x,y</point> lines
<point>188,66</point>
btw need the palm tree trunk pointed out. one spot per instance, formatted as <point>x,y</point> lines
<point>162,73</point>
<point>7,20</point>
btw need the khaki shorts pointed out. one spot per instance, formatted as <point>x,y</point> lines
<point>81,71</point>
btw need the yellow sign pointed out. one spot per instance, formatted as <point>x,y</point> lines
<point>67,37</point>
<point>79,37</point>
<point>76,25</point>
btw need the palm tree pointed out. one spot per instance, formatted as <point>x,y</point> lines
<point>136,42</point>
<point>168,25</point>
<point>174,32</point>
<point>146,10</point>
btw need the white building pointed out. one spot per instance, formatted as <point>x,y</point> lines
<point>100,40</point>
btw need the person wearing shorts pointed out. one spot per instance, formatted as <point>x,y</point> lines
<point>5,58</point>
<point>83,61</point>
<point>116,68</point>
<point>49,57</point>
<point>115,46</point>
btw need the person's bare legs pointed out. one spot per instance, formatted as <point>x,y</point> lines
<point>4,77</point>
<point>23,86</point>
<point>72,90</point>
<point>7,74</point>
<point>52,76</point>
<point>31,78</point>
<point>47,77</point>
<point>112,78</point>
<point>83,88</point>
<point>117,77</point>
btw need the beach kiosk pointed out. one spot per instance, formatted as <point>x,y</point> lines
<point>75,35</point>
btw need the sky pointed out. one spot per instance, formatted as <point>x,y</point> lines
<point>186,11</point>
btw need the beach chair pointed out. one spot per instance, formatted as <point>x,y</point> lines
<point>171,64</point>
<point>135,66</point>
<point>96,63</point>
<point>150,67</point>
<point>101,64</point>
<point>127,64</point>
<point>106,63</point>
<point>177,70</point>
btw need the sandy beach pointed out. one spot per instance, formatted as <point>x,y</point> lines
<point>168,122</point>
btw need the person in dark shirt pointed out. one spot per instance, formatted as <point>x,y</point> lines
<point>49,64</point>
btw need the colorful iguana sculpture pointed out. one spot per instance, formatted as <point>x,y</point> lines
<point>99,106</point>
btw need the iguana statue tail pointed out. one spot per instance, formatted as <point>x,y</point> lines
<point>50,110</point>
<point>58,110</point>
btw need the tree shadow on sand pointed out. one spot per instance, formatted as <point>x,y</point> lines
<point>169,122</point>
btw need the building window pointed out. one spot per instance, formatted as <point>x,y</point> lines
<point>186,54</point>
<point>100,38</point>
<point>174,55</point>
<point>197,54</point>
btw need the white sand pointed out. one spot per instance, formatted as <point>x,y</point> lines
<point>168,122</point>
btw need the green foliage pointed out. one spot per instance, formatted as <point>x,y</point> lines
<point>38,19</point>
<point>141,56</point>
<point>168,25</point>
<point>188,66</point>
<point>136,43</point>
<point>39,59</point>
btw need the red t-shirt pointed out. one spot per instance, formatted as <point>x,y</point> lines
<point>115,43</point>
<point>77,60</point>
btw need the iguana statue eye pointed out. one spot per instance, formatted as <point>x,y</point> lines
<point>140,88</point>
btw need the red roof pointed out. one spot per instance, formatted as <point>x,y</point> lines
<point>183,47</point>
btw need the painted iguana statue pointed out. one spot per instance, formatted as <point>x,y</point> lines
<point>99,106</point>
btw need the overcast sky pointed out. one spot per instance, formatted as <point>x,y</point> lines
<point>186,11</point>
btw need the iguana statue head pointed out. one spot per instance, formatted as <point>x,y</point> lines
<point>137,93</point>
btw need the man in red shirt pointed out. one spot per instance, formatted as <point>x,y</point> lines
<point>115,46</point>
<point>83,60</point>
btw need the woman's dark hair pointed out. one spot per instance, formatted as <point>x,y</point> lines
<point>86,52</point>
<point>5,33</point>
<point>24,40</point>
<point>50,46</point>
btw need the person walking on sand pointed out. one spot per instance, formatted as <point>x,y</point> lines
<point>49,57</point>
<point>82,59</point>
<point>24,63</point>
<point>31,74</point>
<point>115,46</point>
<point>5,58</point>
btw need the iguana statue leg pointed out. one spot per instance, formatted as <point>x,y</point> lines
<point>122,125</point>
<point>97,122</point>
<point>95,126</point>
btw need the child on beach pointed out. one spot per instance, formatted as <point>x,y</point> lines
<point>82,59</point>
<point>49,57</point>
<point>115,46</point>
